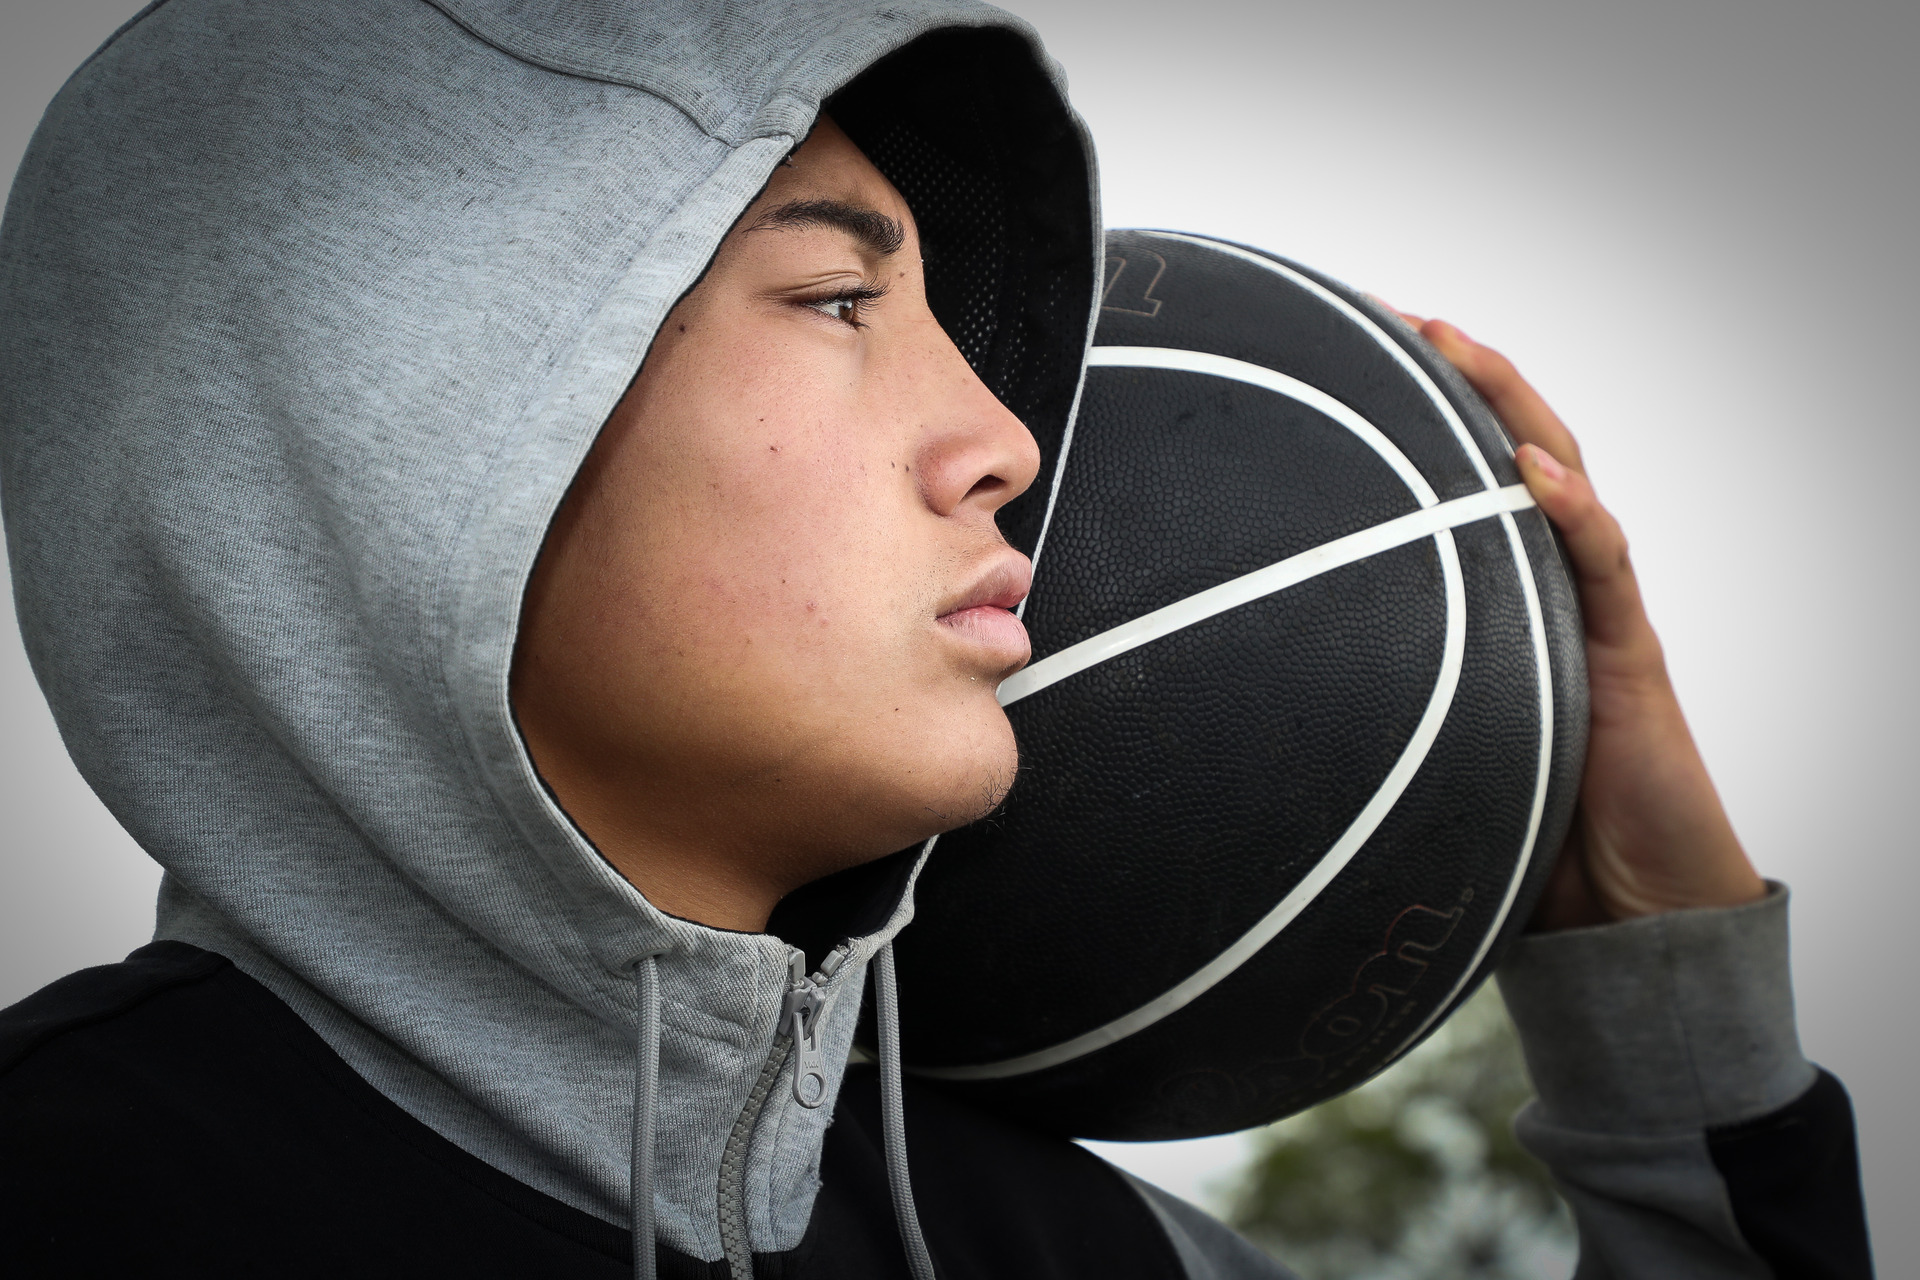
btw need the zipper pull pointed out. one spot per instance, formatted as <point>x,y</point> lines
<point>801,1017</point>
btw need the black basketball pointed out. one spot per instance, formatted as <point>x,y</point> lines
<point>1303,727</point>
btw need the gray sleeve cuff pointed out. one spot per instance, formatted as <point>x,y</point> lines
<point>1663,1024</point>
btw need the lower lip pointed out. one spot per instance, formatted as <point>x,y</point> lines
<point>991,628</point>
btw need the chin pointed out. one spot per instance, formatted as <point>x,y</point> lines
<point>976,778</point>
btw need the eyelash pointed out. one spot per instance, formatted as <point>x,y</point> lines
<point>858,300</point>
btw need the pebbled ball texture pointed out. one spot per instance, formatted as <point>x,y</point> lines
<point>1171,796</point>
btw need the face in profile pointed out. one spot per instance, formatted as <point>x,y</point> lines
<point>765,632</point>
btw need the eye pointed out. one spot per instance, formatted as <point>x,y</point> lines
<point>849,306</point>
<point>844,309</point>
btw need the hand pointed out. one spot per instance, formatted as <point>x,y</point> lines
<point>1650,833</point>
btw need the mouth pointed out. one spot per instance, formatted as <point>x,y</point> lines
<point>982,613</point>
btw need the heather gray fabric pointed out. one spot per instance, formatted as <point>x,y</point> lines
<point>308,313</point>
<point>1640,1036</point>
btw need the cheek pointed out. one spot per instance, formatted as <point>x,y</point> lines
<point>792,567</point>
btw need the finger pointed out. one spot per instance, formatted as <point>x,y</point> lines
<point>1526,415</point>
<point>1609,591</point>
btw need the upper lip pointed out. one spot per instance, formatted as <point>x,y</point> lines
<point>1001,584</point>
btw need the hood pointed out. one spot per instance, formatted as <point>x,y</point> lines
<point>308,313</point>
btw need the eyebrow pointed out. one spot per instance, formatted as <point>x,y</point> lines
<point>871,230</point>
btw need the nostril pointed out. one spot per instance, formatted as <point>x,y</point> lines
<point>986,486</point>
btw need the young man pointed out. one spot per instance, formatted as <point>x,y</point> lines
<point>502,495</point>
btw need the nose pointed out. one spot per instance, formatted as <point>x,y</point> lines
<point>976,455</point>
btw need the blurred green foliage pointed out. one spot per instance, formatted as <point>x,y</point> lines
<point>1415,1175</point>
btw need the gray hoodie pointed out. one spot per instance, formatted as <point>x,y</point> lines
<point>309,311</point>
<point>312,309</point>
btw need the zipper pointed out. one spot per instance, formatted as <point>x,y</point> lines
<point>798,1040</point>
<point>800,1019</point>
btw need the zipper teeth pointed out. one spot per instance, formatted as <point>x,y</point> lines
<point>734,1240</point>
<point>735,1243</point>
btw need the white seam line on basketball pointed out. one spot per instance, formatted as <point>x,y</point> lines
<point>1141,630</point>
<point>1523,569</point>
<point>1543,769</point>
<point>1331,864</point>
<point>1292,571</point>
<point>1260,376</point>
<point>1437,521</point>
<point>1372,329</point>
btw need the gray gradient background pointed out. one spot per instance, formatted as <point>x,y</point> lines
<point>1691,223</point>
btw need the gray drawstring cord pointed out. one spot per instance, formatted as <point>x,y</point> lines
<point>893,1115</point>
<point>646,1098</point>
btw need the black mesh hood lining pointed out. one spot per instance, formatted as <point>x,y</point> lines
<point>969,128</point>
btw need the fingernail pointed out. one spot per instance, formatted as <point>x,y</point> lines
<point>1549,465</point>
<point>1459,332</point>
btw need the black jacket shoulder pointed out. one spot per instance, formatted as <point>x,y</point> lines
<point>169,1116</point>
